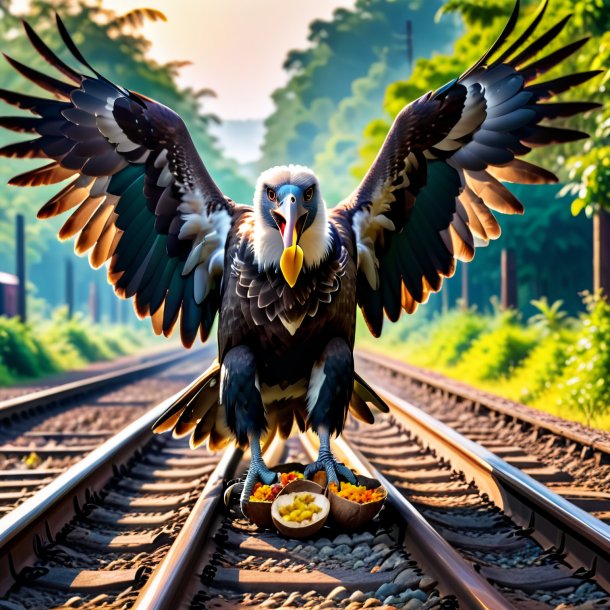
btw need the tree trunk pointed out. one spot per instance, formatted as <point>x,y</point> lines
<point>601,252</point>
<point>508,292</point>
<point>21,268</point>
<point>465,287</point>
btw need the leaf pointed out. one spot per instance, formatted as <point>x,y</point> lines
<point>577,206</point>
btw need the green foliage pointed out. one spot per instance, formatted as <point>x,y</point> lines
<point>550,318</point>
<point>22,353</point>
<point>585,384</point>
<point>543,365</point>
<point>496,353</point>
<point>113,44</point>
<point>28,351</point>
<point>336,86</point>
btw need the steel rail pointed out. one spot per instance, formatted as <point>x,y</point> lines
<point>167,584</point>
<point>478,398</point>
<point>20,405</point>
<point>556,521</point>
<point>51,507</point>
<point>454,575</point>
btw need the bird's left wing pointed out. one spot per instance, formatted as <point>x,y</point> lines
<point>428,196</point>
<point>141,198</point>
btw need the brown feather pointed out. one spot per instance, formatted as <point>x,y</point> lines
<point>93,229</point>
<point>79,217</point>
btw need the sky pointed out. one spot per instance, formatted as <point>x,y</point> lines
<point>236,47</point>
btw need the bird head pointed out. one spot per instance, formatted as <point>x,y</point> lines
<point>291,227</point>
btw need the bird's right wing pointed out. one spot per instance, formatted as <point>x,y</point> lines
<point>429,195</point>
<point>141,198</point>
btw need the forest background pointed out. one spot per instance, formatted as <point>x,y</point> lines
<point>549,348</point>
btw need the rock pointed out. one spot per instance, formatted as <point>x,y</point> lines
<point>388,588</point>
<point>342,549</point>
<point>361,551</point>
<point>329,603</point>
<point>338,593</point>
<point>383,538</point>
<point>381,548</point>
<point>420,595</point>
<point>362,537</point>
<point>391,600</point>
<point>343,539</point>
<point>390,562</point>
<point>358,564</point>
<point>325,552</point>
<point>322,542</point>
<point>358,596</point>
<point>371,602</point>
<point>291,600</point>
<point>309,551</point>
<point>408,578</point>
<point>433,602</point>
<point>426,583</point>
<point>354,606</point>
<point>412,604</point>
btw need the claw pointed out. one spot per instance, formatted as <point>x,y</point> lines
<point>333,470</point>
<point>257,472</point>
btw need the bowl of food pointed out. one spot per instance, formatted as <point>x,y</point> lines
<point>351,506</point>
<point>299,514</point>
<point>258,507</point>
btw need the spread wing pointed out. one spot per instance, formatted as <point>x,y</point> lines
<point>139,195</point>
<point>429,195</point>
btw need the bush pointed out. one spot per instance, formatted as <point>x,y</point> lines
<point>585,385</point>
<point>542,366</point>
<point>60,344</point>
<point>495,353</point>
<point>450,336</point>
<point>21,353</point>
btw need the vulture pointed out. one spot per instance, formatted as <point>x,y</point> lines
<point>286,274</point>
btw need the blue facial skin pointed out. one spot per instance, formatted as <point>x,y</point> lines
<point>284,191</point>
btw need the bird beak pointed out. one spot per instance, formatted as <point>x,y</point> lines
<point>290,218</point>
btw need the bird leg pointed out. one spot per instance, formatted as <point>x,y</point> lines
<point>258,471</point>
<point>326,461</point>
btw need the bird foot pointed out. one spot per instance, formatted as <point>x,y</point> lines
<point>333,470</point>
<point>258,471</point>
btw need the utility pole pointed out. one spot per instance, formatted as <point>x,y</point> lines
<point>508,269</point>
<point>465,287</point>
<point>409,33</point>
<point>601,252</point>
<point>70,287</point>
<point>93,302</point>
<point>21,271</point>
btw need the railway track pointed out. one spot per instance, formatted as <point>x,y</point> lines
<point>45,432</point>
<point>140,522</point>
<point>573,461</point>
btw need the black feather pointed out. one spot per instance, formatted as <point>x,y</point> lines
<point>539,44</point>
<point>48,55</point>
<point>506,32</point>
<point>529,30</point>
<point>57,87</point>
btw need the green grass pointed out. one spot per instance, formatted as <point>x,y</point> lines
<point>31,351</point>
<point>551,362</point>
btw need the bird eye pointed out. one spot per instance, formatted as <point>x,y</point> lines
<point>271,195</point>
<point>308,194</point>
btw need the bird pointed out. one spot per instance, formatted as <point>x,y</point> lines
<point>286,274</point>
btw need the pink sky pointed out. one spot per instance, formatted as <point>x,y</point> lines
<point>237,46</point>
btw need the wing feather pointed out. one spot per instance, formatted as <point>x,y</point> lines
<point>432,188</point>
<point>136,178</point>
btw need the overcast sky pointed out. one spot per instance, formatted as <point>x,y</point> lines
<point>236,47</point>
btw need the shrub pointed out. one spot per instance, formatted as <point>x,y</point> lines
<point>21,353</point>
<point>585,385</point>
<point>542,366</point>
<point>495,353</point>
